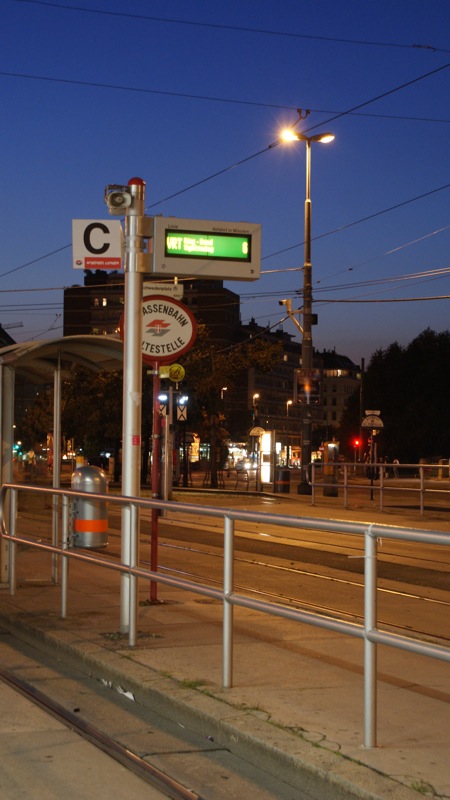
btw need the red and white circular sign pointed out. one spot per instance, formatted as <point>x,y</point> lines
<point>168,329</point>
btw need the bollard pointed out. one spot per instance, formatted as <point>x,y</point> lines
<point>89,518</point>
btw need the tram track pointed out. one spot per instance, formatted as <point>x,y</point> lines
<point>131,761</point>
<point>270,566</point>
<point>173,760</point>
<point>304,557</point>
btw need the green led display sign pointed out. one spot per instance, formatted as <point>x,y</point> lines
<point>206,249</point>
<point>198,244</point>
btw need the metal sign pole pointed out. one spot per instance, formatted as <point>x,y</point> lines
<point>132,385</point>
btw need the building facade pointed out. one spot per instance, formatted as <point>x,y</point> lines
<point>257,398</point>
<point>340,378</point>
<point>97,307</point>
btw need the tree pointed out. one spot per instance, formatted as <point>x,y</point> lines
<point>92,410</point>
<point>411,387</point>
<point>37,420</point>
<point>208,369</point>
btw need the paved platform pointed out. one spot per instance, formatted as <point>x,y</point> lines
<point>296,706</point>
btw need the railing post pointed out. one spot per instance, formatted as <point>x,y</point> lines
<point>133,581</point>
<point>422,486</point>
<point>381,486</point>
<point>228,588</point>
<point>64,559</point>
<point>370,648</point>
<point>12,544</point>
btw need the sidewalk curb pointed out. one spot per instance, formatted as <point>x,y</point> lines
<point>319,772</point>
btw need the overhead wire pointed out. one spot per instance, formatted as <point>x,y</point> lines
<point>238,28</point>
<point>266,149</point>
<point>386,253</point>
<point>393,299</point>
<point>423,275</point>
<point>335,116</point>
<point>310,128</point>
<point>271,255</point>
<point>208,98</point>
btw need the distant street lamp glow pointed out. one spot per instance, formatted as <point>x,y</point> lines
<point>255,399</point>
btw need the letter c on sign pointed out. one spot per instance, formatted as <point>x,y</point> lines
<point>87,238</point>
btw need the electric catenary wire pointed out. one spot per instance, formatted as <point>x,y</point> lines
<point>238,28</point>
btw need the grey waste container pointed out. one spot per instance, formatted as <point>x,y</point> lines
<point>89,518</point>
<point>282,480</point>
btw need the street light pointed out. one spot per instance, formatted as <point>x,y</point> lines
<point>290,135</point>
<point>255,398</point>
<point>288,403</point>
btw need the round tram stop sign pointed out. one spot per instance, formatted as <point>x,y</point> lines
<point>168,329</point>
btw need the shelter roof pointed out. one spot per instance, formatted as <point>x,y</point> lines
<point>38,360</point>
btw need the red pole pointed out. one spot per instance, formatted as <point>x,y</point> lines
<point>156,458</point>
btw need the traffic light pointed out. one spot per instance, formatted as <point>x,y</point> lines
<point>356,441</point>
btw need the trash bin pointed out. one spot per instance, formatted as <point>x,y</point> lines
<point>330,469</point>
<point>89,518</point>
<point>330,481</point>
<point>282,480</point>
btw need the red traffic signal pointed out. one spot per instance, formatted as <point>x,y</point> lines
<point>356,442</point>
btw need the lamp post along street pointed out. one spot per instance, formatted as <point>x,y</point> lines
<point>307,351</point>
<point>288,403</point>
<point>291,135</point>
<point>307,345</point>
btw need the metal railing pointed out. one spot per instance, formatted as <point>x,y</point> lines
<point>368,632</point>
<point>381,480</point>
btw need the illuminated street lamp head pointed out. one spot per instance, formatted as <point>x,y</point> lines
<point>289,135</point>
<point>325,138</point>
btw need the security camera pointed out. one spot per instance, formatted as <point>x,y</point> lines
<point>118,198</point>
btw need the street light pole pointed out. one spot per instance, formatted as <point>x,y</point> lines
<point>288,403</point>
<point>291,135</point>
<point>307,345</point>
<point>307,350</point>
<point>255,399</point>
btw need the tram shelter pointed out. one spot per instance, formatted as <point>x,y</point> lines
<point>44,362</point>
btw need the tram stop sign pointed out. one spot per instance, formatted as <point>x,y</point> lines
<point>372,421</point>
<point>168,329</point>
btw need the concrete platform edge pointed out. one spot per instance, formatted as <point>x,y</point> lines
<point>318,772</point>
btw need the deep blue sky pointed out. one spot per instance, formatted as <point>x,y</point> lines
<point>198,98</point>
